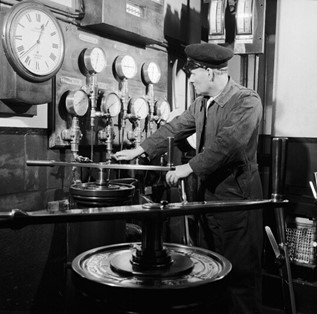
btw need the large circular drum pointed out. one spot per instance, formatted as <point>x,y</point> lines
<point>189,284</point>
<point>91,194</point>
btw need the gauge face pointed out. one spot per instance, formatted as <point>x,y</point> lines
<point>151,73</point>
<point>139,107</point>
<point>125,67</point>
<point>111,104</point>
<point>163,109</point>
<point>94,60</point>
<point>77,103</point>
<point>33,41</point>
<point>244,17</point>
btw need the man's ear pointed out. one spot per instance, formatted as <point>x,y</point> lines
<point>210,74</point>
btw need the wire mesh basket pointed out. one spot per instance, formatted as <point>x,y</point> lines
<point>301,239</point>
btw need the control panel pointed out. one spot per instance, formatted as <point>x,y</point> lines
<point>116,92</point>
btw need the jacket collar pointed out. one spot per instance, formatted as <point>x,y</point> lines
<point>227,93</point>
<point>223,97</point>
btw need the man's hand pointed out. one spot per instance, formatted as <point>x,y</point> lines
<point>128,154</point>
<point>180,172</point>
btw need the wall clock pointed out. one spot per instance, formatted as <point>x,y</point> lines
<point>33,41</point>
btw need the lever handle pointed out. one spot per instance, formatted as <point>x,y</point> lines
<point>276,249</point>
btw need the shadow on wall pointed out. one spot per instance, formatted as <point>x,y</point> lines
<point>183,25</point>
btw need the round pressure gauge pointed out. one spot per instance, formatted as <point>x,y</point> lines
<point>111,104</point>
<point>162,109</point>
<point>151,73</point>
<point>139,107</point>
<point>77,103</point>
<point>125,67</point>
<point>92,60</point>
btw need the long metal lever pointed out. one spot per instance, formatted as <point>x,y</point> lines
<point>183,196</point>
<point>101,165</point>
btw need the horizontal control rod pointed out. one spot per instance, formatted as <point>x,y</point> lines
<point>99,165</point>
<point>18,218</point>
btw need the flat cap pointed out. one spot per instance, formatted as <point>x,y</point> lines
<point>209,55</point>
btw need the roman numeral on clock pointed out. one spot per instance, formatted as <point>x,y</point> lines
<point>52,56</point>
<point>27,60</point>
<point>20,49</point>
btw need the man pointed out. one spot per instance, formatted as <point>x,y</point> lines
<point>226,118</point>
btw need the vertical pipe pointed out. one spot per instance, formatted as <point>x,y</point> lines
<point>170,151</point>
<point>244,70</point>
<point>279,146</point>
<point>256,73</point>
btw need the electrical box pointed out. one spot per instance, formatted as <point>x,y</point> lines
<point>250,26</point>
<point>139,21</point>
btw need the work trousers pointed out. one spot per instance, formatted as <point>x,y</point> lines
<point>237,236</point>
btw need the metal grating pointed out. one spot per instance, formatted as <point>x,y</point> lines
<point>301,239</point>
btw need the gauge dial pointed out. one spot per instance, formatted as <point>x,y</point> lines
<point>33,41</point>
<point>151,73</point>
<point>111,104</point>
<point>216,13</point>
<point>125,67</point>
<point>77,103</point>
<point>139,107</point>
<point>94,60</point>
<point>244,17</point>
<point>162,109</point>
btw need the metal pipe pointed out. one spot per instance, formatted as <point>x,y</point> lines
<point>279,149</point>
<point>101,165</point>
<point>279,146</point>
<point>17,218</point>
<point>170,151</point>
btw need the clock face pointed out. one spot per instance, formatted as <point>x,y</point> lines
<point>33,41</point>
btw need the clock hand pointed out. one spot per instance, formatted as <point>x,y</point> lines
<point>29,50</point>
<point>41,33</point>
<point>33,46</point>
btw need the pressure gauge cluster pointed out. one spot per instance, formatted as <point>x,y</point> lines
<point>92,60</point>
<point>139,107</point>
<point>77,103</point>
<point>125,67</point>
<point>111,104</point>
<point>151,73</point>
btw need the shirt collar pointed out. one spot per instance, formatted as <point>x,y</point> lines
<point>226,93</point>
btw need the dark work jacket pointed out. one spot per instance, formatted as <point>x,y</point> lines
<point>226,148</point>
<point>226,165</point>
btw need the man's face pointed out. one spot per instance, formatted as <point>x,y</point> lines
<point>200,79</point>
